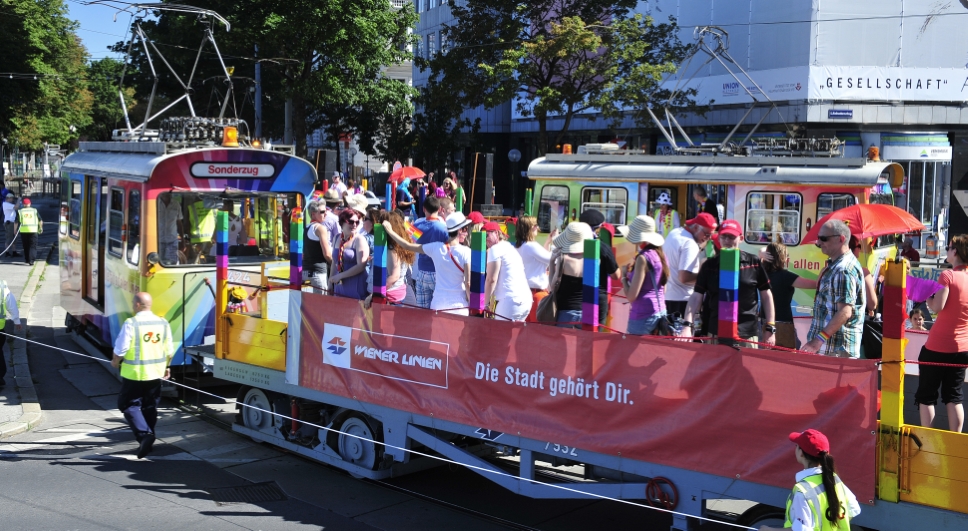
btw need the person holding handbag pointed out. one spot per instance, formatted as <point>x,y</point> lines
<point>644,280</point>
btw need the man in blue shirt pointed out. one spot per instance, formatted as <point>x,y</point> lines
<point>433,229</point>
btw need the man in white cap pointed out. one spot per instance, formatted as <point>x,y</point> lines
<point>754,289</point>
<point>666,217</point>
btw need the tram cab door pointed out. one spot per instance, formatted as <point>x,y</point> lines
<point>95,240</point>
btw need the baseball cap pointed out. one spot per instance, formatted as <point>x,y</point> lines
<point>704,220</point>
<point>812,442</point>
<point>592,217</point>
<point>26,201</point>
<point>476,217</point>
<point>491,225</point>
<point>731,227</point>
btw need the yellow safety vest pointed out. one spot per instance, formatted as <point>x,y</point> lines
<point>148,355</point>
<point>203,222</point>
<point>812,489</point>
<point>29,220</point>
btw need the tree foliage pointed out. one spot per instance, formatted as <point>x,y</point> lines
<point>106,113</point>
<point>39,40</point>
<point>558,58</point>
<point>326,56</point>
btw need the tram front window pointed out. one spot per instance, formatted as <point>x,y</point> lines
<point>187,223</point>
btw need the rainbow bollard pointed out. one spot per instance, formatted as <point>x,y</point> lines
<point>728,294</point>
<point>221,275</point>
<point>389,192</point>
<point>478,272</point>
<point>606,239</point>
<point>589,290</point>
<point>296,249</point>
<point>380,257</point>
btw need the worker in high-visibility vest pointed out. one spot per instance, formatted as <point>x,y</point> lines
<point>819,501</point>
<point>8,308</point>
<point>30,226</point>
<point>202,232</point>
<point>142,351</point>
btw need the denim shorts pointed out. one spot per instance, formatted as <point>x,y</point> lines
<point>645,327</point>
<point>569,316</point>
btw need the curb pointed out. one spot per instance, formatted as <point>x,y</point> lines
<point>32,412</point>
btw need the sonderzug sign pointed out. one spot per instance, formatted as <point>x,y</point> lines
<point>235,170</point>
<point>391,356</point>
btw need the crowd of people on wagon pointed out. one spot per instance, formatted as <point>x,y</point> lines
<point>671,283</point>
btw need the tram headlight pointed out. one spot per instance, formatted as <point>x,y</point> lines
<point>230,137</point>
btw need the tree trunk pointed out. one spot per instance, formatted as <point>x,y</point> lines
<point>542,134</point>
<point>299,124</point>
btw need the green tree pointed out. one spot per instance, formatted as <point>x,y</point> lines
<point>438,126</point>
<point>558,58</point>
<point>106,112</point>
<point>50,101</point>
<point>319,54</point>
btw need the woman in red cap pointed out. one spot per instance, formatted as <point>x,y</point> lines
<point>820,501</point>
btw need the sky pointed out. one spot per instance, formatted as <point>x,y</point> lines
<point>98,28</point>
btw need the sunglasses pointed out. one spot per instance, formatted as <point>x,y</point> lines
<point>353,222</point>
<point>825,238</point>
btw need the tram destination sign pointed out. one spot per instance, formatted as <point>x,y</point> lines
<point>232,170</point>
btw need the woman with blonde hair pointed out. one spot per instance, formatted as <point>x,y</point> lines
<point>536,258</point>
<point>398,260</point>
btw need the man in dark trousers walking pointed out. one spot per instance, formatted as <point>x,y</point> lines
<point>142,351</point>
<point>30,226</point>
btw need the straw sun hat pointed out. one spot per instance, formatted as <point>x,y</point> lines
<point>642,230</point>
<point>572,240</point>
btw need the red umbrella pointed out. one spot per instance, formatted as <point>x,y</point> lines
<point>869,221</point>
<point>406,172</point>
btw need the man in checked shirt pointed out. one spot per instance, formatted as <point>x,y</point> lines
<point>838,310</point>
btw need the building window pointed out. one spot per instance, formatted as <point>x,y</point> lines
<point>116,223</point>
<point>923,190</point>
<point>773,217</point>
<point>418,48</point>
<point>431,45</point>
<point>421,5</point>
<point>74,216</point>
<point>134,226</point>
<point>827,203</point>
<point>443,42</point>
<point>553,207</point>
<point>433,4</point>
<point>611,202</point>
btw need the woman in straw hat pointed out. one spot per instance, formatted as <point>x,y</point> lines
<point>644,280</point>
<point>569,257</point>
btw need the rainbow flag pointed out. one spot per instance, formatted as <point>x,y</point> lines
<point>415,233</point>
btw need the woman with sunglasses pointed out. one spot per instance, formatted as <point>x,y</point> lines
<point>947,341</point>
<point>350,255</point>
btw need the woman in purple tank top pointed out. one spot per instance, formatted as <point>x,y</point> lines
<point>350,254</point>
<point>644,280</point>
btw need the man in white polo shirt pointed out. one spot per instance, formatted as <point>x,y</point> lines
<point>682,248</point>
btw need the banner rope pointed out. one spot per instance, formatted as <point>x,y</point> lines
<point>414,452</point>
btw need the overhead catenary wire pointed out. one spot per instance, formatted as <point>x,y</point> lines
<point>400,448</point>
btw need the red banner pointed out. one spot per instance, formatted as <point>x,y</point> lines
<point>711,409</point>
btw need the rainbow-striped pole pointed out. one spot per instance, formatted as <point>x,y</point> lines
<point>589,291</point>
<point>380,257</point>
<point>478,271</point>
<point>528,199</point>
<point>296,249</point>
<point>606,239</point>
<point>728,293</point>
<point>389,205</point>
<point>221,275</point>
<point>892,379</point>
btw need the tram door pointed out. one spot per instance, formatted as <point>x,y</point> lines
<point>95,240</point>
